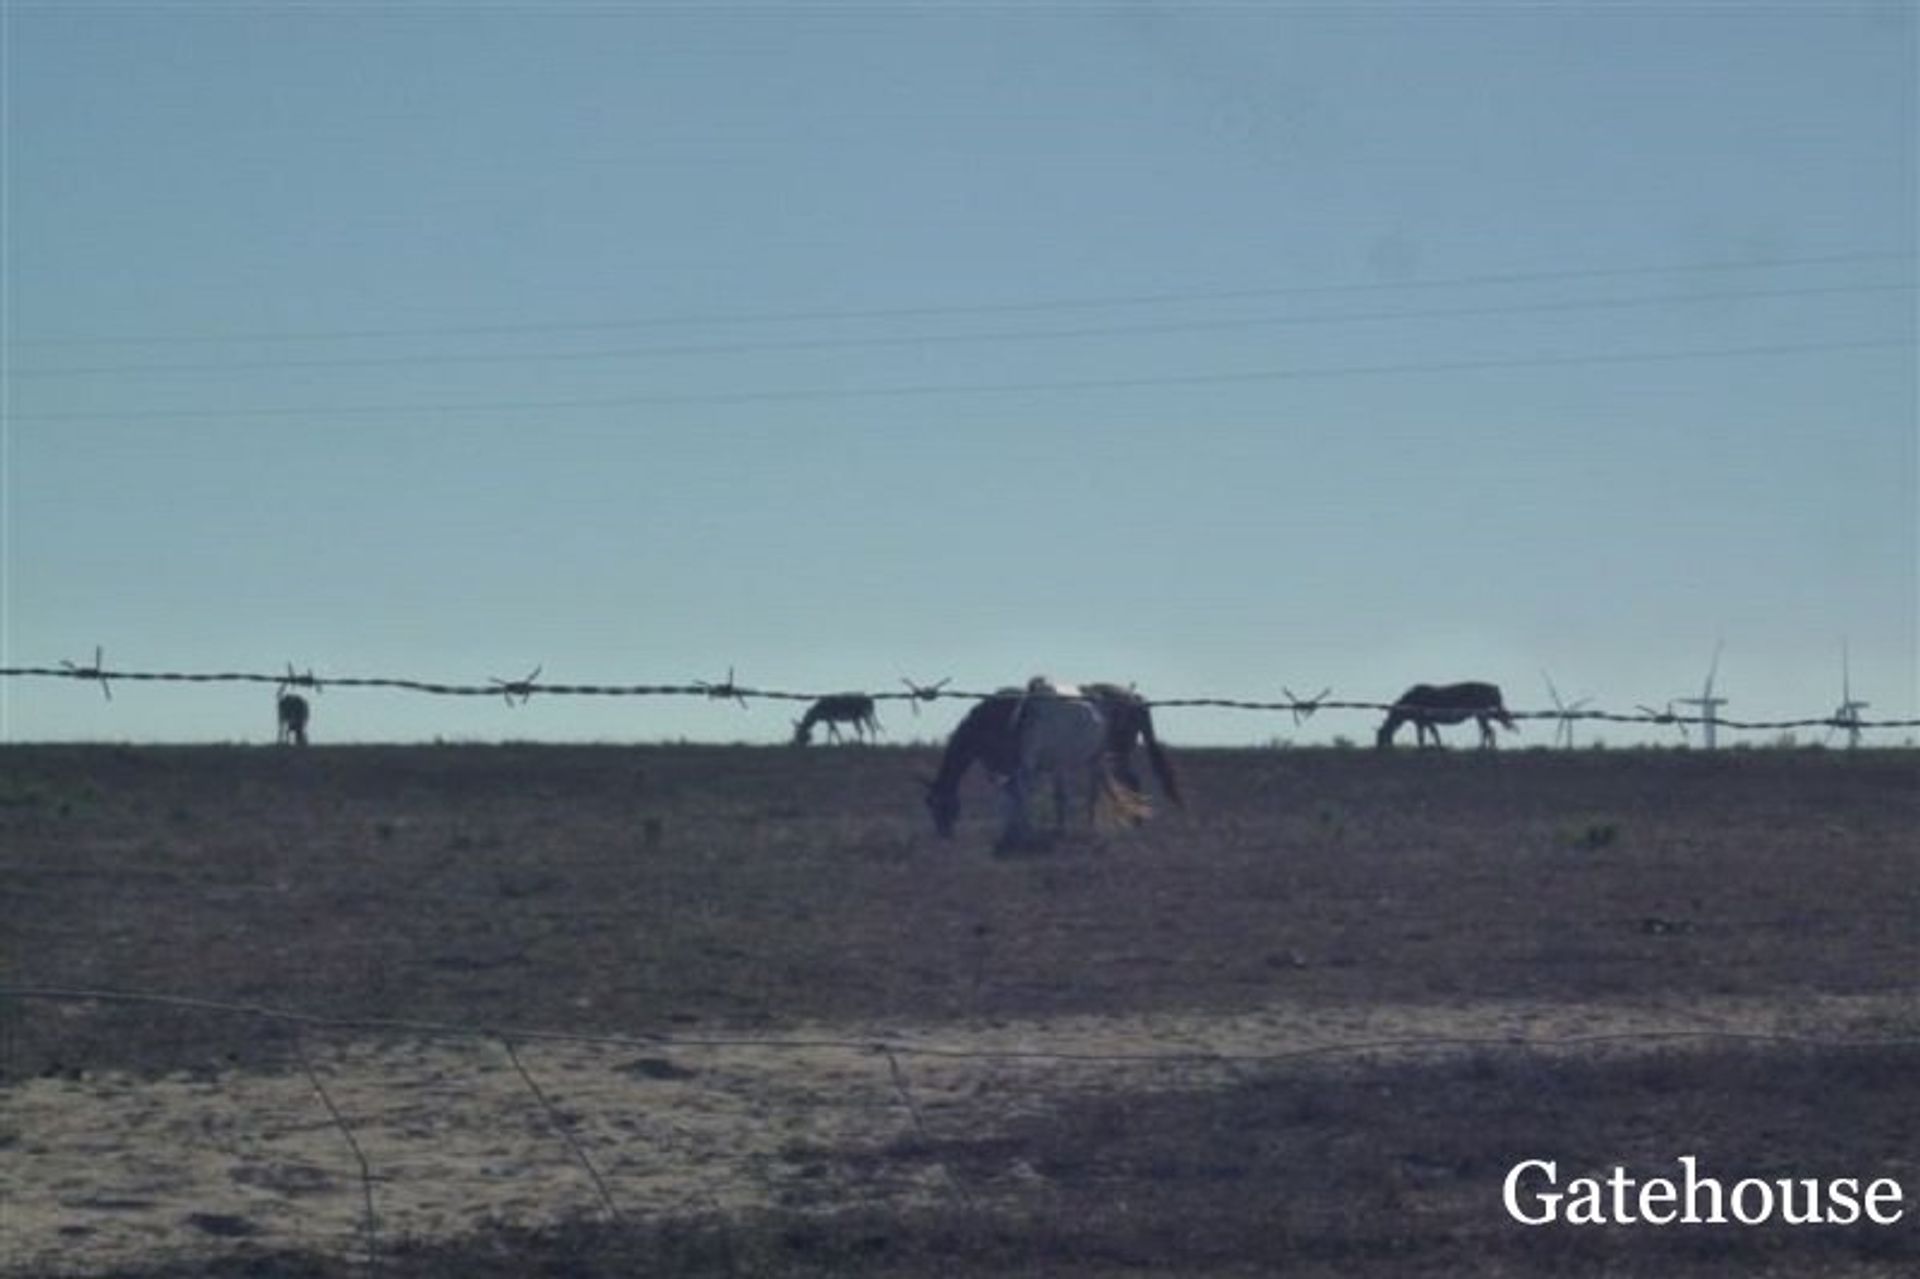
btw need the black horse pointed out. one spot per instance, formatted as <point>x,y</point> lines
<point>987,736</point>
<point>1428,706</point>
<point>293,713</point>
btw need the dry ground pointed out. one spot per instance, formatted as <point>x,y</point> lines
<point>667,898</point>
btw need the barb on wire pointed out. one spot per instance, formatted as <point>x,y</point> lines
<point>1663,717</point>
<point>1304,707</point>
<point>723,691</point>
<point>520,688</point>
<point>923,692</point>
<point>304,679</point>
<point>96,671</point>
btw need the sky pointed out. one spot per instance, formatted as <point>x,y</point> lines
<point>1222,349</point>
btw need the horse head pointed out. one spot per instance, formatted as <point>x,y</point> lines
<point>943,803</point>
<point>802,733</point>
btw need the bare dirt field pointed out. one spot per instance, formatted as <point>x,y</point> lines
<point>685,1010</point>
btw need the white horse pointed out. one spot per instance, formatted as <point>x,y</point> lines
<point>1062,736</point>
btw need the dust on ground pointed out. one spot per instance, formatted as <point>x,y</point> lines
<point>460,1133</point>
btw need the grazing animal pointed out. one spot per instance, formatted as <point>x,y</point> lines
<point>1062,738</point>
<point>1428,706</point>
<point>855,709</point>
<point>986,736</point>
<point>293,712</point>
<point>1130,722</point>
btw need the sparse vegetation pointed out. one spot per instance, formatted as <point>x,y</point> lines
<point>681,889</point>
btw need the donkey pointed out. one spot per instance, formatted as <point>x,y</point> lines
<point>293,712</point>
<point>855,709</point>
<point>986,736</point>
<point>1428,706</point>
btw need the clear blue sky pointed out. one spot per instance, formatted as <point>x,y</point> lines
<point>1215,348</point>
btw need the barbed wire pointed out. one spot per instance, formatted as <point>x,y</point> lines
<point>519,692</point>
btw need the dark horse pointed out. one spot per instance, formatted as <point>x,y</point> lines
<point>293,713</point>
<point>1429,705</point>
<point>987,737</point>
<point>855,709</point>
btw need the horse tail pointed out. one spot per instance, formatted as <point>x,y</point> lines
<point>1118,804</point>
<point>1162,766</point>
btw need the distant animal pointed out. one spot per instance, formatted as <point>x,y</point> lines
<point>1061,739</point>
<point>986,736</point>
<point>1427,706</point>
<point>293,712</point>
<point>854,709</point>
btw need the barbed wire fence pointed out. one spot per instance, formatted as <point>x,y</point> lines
<point>518,692</point>
<point>1188,1066</point>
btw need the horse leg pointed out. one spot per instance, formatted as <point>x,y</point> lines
<point>1013,805</point>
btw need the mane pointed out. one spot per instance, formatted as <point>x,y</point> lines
<point>982,737</point>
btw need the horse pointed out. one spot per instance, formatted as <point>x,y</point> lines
<point>1130,722</point>
<point>1429,705</point>
<point>986,736</point>
<point>293,712</point>
<point>855,709</point>
<point>1061,736</point>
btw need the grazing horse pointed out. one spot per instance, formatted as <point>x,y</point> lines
<point>855,709</point>
<point>986,736</point>
<point>1061,736</point>
<point>293,711</point>
<point>1130,721</point>
<point>1429,705</point>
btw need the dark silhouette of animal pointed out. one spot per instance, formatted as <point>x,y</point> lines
<point>293,712</point>
<point>1427,706</point>
<point>854,709</point>
<point>987,736</point>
